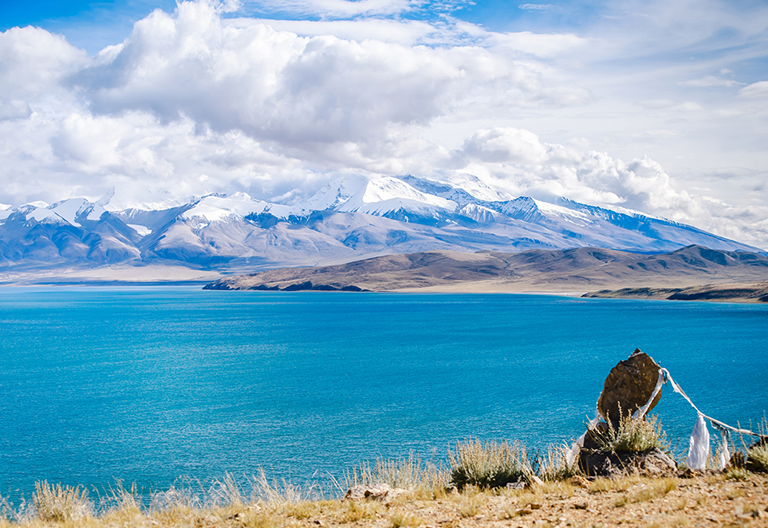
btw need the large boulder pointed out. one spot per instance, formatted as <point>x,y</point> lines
<point>651,463</point>
<point>628,387</point>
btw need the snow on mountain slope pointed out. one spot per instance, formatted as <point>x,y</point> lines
<point>462,189</point>
<point>479,213</point>
<point>389,195</point>
<point>330,197</point>
<point>349,219</point>
<point>73,209</point>
<point>215,208</point>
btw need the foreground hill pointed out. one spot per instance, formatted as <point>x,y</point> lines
<point>579,269</point>
<point>706,500</point>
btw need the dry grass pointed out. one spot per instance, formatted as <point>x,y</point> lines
<point>654,490</point>
<point>553,466</point>
<point>405,520</point>
<point>470,502</point>
<point>61,503</point>
<point>409,473</point>
<point>601,484</point>
<point>488,464</point>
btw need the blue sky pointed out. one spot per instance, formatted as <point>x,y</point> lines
<point>649,105</point>
<point>93,25</point>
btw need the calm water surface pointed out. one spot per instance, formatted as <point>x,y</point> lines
<point>150,384</point>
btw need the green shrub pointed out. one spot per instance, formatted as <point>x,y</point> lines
<point>633,436</point>
<point>757,455</point>
<point>488,465</point>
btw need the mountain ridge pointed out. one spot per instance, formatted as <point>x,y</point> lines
<point>348,219</point>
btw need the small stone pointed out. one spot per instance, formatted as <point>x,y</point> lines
<point>535,506</point>
<point>581,505</point>
<point>578,481</point>
<point>377,493</point>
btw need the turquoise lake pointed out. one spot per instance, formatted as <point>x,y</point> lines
<point>151,384</point>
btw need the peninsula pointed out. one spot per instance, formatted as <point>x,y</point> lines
<point>579,270</point>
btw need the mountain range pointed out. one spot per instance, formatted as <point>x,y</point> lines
<point>348,219</point>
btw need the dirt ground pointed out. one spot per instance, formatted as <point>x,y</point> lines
<point>704,501</point>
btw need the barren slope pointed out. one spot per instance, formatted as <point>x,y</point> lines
<point>580,269</point>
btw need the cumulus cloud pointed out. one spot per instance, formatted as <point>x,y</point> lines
<point>505,145</point>
<point>296,92</point>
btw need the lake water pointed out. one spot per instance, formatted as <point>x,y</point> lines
<point>150,384</point>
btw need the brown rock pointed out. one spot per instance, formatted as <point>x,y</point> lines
<point>629,386</point>
<point>651,463</point>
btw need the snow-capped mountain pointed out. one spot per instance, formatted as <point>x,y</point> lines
<point>348,219</point>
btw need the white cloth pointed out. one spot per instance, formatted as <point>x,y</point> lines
<point>698,452</point>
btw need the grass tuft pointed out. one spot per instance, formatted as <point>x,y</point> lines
<point>654,490</point>
<point>404,520</point>
<point>554,466</point>
<point>488,465</point>
<point>406,473</point>
<point>279,493</point>
<point>758,456</point>
<point>633,436</point>
<point>61,503</point>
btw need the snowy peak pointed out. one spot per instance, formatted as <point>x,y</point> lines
<point>389,195</point>
<point>77,210</point>
<point>331,196</point>
<point>215,208</point>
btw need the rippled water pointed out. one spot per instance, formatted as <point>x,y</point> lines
<point>150,384</point>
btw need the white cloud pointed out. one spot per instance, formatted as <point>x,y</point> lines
<point>536,7</point>
<point>505,145</point>
<point>341,8</point>
<point>758,90</point>
<point>711,80</point>
<point>517,162</point>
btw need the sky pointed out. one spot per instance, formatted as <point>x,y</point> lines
<point>653,106</point>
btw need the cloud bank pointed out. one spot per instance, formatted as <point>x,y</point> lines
<point>198,101</point>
